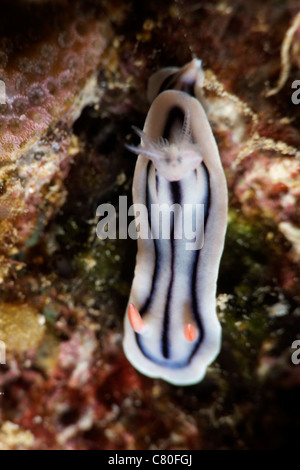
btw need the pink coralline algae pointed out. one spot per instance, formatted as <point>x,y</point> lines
<point>42,80</point>
<point>50,74</point>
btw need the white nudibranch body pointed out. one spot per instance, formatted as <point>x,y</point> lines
<point>171,326</point>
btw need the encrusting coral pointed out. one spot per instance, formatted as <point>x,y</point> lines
<point>42,80</point>
<point>49,72</point>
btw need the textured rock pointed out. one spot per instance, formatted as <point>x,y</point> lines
<point>49,71</point>
<point>75,389</point>
<point>22,328</point>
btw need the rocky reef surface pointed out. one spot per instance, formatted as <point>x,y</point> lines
<point>75,74</point>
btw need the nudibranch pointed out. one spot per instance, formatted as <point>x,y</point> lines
<point>171,326</point>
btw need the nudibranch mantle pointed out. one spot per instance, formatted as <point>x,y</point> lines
<point>171,326</point>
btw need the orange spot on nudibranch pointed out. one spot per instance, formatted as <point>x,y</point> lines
<point>190,333</point>
<point>135,319</point>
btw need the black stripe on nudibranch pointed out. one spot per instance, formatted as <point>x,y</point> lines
<point>147,303</point>
<point>176,115</point>
<point>207,205</point>
<point>175,190</point>
<point>168,83</point>
<point>171,80</point>
<point>194,304</point>
<point>194,293</point>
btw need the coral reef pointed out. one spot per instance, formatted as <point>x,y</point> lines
<point>43,75</point>
<point>77,72</point>
<point>22,328</point>
<point>49,74</point>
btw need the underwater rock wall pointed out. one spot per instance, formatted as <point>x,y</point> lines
<point>76,76</point>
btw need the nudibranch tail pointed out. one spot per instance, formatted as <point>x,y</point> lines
<point>191,73</point>
<point>186,79</point>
